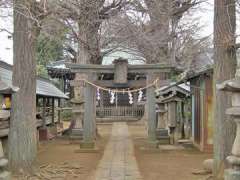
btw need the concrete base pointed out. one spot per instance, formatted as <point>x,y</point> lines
<point>76,134</point>
<point>170,148</point>
<point>94,150</point>
<point>5,175</point>
<point>87,145</point>
<point>164,141</point>
<point>231,174</point>
<point>153,144</point>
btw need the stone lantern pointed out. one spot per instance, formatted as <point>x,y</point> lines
<point>233,86</point>
<point>78,103</point>
<point>4,174</point>
<point>5,115</point>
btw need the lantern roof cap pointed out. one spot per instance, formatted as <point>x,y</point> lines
<point>232,85</point>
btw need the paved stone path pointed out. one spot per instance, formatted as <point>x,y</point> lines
<point>118,162</point>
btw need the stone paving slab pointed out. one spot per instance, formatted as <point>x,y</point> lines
<point>118,162</point>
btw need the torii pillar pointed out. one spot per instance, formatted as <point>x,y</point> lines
<point>151,110</point>
<point>89,121</point>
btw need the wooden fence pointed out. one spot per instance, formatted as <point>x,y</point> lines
<point>120,112</point>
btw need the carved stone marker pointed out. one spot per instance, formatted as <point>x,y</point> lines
<point>233,86</point>
<point>161,121</point>
<point>172,114</point>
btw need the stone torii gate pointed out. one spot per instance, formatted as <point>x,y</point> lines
<point>85,105</point>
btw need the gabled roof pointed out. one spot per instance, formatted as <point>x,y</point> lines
<point>173,92</point>
<point>44,86</point>
<point>7,89</point>
<point>174,88</point>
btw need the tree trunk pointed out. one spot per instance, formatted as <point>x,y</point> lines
<point>89,24</point>
<point>22,135</point>
<point>93,41</point>
<point>224,69</point>
<point>159,24</point>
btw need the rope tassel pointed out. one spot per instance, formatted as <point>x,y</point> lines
<point>130,97</point>
<point>140,95</point>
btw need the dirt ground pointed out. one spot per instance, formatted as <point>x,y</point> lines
<point>166,164</point>
<point>59,160</point>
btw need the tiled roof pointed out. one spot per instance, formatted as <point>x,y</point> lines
<point>44,86</point>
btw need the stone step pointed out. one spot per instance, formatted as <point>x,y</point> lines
<point>162,132</point>
<point>164,141</point>
<point>163,136</point>
<point>75,137</point>
<point>76,132</point>
<point>117,119</point>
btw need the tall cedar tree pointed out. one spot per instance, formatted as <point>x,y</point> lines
<point>22,136</point>
<point>224,69</point>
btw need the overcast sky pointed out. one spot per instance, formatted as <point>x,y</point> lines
<point>6,43</point>
<point>205,13</point>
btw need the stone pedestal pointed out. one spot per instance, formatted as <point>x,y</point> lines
<point>234,160</point>
<point>78,115</point>
<point>4,174</point>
